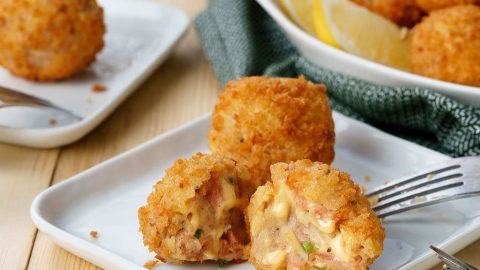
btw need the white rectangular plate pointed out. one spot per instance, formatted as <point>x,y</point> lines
<point>106,197</point>
<point>140,35</point>
<point>327,56</point>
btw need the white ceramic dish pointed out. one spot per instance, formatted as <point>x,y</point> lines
<point>140,35</point>
<point>106,198</point>
<point>323,55</point>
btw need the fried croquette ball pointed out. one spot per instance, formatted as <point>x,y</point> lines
<point>402,12</point>
<point>259,121</point>
<point>48,40</point>
<point>446,45</point>
<point>195,213</point>
<point>312,216</point>
<point>431,5</point>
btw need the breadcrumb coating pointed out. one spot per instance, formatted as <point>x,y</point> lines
<point>259,121</point>
<point>446,45</point>
<point>48,40</point>
<point>312,216</point>
<point>195,213</point>
<point>402,12</point>
<point>431,5</point>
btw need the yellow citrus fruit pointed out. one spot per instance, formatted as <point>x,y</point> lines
<point>322,27</point>
<point>301,12</point>
<point>342,23</point>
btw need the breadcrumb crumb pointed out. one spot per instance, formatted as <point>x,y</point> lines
<point>419,199</point>
<point>150,264</point>
<point>367,178</point>
<point>52,122</point>
<point>94,234</point>
<point>98,88</point>
<point>373,201</point>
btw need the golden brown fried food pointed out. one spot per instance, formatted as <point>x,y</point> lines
<point>195,213</point>
<point>49,40</point>
<point>402,12</point>
<point>312,216</point>
<point>446,45</point>
<point>259,121</point>
<point>431,5</point>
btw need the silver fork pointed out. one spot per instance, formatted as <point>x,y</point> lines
<point>450,180</point>
<point>451,262</point>
<point>9,98</point>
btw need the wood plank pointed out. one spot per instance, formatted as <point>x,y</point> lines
<point>183,89</point>
<point>23,174</point>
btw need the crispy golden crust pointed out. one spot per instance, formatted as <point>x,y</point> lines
<point>323,207</point>
<point>195,212</point>
<point>259,121</point>
<point>431,5</point>
<point>49,40</point>
<point>402,12</point>
<point>446,45</point>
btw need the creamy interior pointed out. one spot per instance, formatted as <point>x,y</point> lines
<point>287,225</point>
<point>212,215</point>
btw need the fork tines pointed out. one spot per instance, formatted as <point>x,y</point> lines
<point>440,183</point>
<point>452,262</point>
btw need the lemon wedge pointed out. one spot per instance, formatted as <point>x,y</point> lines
<point>342,23</point>
<point>322,28</point>
<point>301,12</point>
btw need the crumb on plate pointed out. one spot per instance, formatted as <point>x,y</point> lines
<point>98,88</point>
<point>367,178</point>
<point>52,122</point>
<point>94,234</point>
<point>150,264</point>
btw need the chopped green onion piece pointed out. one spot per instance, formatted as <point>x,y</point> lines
<point>308,247</point>
<point>222,263</point>
<point>198,233</point>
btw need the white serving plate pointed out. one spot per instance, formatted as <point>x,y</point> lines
<point>140,35</point>
<point>106,197</point>
<point>329,57</point>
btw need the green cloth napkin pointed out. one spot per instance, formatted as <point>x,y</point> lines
<point>240,39</point>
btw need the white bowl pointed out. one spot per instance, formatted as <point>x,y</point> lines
<point>329,57</point>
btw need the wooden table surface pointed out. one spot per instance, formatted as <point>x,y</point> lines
<point>183,88</point>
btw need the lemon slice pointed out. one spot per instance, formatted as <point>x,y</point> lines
<point>361,32</point>
<point>322,27</point>
<point>301,12</point>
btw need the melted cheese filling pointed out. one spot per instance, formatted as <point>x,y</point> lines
<point>283,214</point>
<point>209,225</point>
